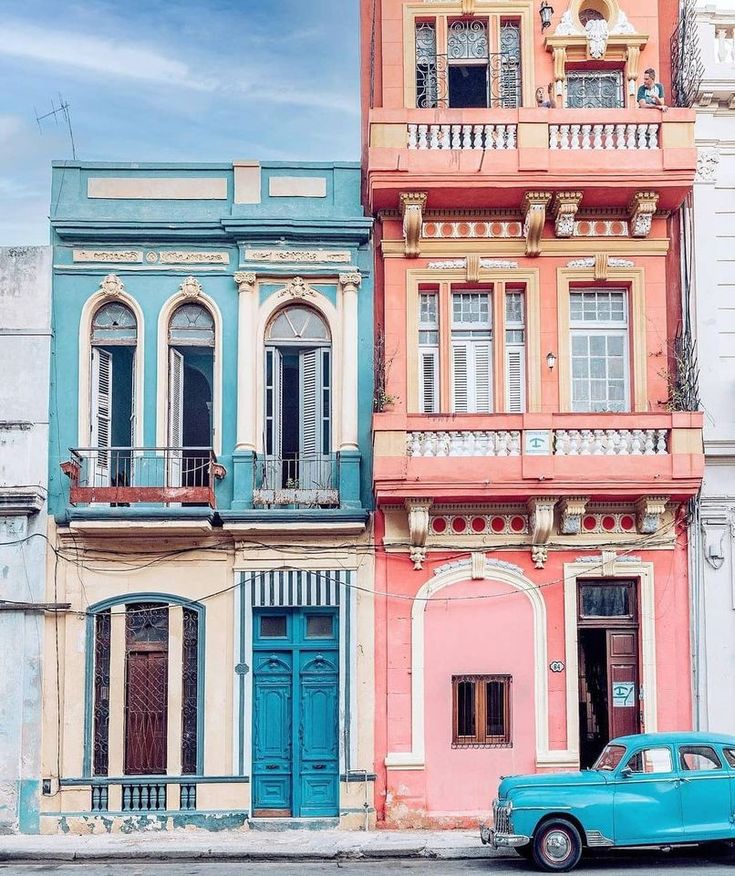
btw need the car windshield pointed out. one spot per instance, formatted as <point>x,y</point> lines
<point>610,757</point>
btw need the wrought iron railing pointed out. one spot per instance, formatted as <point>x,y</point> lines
<point>125,475</point>
<point>503,81</point>
<point>301,480</point>
<point>687,68</point>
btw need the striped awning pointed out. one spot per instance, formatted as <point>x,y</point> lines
<point>297,589</point>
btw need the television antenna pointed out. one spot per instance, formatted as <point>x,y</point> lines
<point>63,112</point>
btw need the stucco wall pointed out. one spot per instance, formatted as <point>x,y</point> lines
<point>25,298</point>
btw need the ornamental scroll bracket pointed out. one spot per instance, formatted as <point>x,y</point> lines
<point>565,208</point>
<point>245,281</point>
<point>641,209</point>
<point>648,512</point>
<point>413,205</point>
<point>112,286</point>
<point>540,524</point>
<point>418,528</point>
<point>572,511</point>
<point>534,206</point>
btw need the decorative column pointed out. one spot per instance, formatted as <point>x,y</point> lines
<point>349,451</point>
<point>243,457</point>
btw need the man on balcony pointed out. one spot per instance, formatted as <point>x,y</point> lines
<point>651,93</point>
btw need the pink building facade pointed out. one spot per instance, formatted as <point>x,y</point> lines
<point>532,459</point>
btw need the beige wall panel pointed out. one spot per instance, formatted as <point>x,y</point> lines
<point>157,188</point>
<point>297,187</point>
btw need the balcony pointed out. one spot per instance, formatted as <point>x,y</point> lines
<point>505,152</point>
<point>296,482</point>
<point>128,476</point>
<point>480,457</point>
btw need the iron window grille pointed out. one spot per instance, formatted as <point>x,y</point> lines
<point>481,711</point>
<point>595,89</point>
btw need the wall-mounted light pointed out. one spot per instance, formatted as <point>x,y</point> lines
<point>545,12</point>
<point>550,360</point>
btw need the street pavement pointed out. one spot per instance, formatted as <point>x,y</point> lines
<point>659,863</point>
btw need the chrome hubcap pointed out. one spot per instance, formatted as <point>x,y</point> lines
<point>557,845</point>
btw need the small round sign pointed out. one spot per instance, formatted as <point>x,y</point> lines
<point>556,666</point>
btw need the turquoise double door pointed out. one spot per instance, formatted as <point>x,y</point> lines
<point>295,713</point>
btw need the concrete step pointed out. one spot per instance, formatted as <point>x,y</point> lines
<point>281,824</point>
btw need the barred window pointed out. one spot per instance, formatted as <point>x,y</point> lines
<point>481,711</point>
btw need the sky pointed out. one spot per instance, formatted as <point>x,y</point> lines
<point>170,80</point>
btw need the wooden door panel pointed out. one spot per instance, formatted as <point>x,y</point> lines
<point>622,674</point>
<point>146,707</point>
<point>272,734</point>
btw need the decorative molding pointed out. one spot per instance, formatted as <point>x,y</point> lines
<point>539,555</point>
<point>473,268</point>
<point>649,511</point>
<point>190,288</point>
<point>641,209</point>
<point>597,32</point>
<point>350,282</point>
<point>474,524</point>
<point>180,257</point>
<point>297,256</point>
<point>448,265</point>
<point>572,511</point>
<point>541,524</point>
<point>708,160</point>
<point>418,527</point>
<point>412,209</point>
<point>614,262</point>
<point>534,206</point>
<point>21,501</point>
<point>464,443</point>
<point>564,209</point>
<point>246,281</point>
<point>586,262</point>
<point>112,286</point>
<point>297,288</point>
<point>484,563</point>
<point>477,563</point>
<point>129,256</point>
<point>498,264</point>
<point>593,227</point>
<point>601,262</point>
<point>491,229</point>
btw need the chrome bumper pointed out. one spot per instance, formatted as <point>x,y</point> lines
<point>491,837</point>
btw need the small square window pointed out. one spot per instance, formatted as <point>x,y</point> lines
<point>319,626</point>
<point>481,711</point>
<point>273,626</point>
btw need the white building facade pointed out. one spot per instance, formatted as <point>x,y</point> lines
<point>713,322</point>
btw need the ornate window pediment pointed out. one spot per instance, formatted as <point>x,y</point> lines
<point>595,30</point>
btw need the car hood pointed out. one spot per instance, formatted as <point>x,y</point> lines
<point>551,780</point>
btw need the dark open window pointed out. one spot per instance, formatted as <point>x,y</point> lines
<point>481,710</point>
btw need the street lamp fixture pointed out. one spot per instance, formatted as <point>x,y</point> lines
<point>550,360</point>
<point>545,13</point>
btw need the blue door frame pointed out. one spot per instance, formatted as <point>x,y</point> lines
<point>295,712</point>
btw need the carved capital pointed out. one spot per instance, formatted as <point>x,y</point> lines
<point>190,288</point>
<point>297,288</point>
<point>112,286</point>
<point>418,528</point>
<point>565,208</point>
<point>534,206</point>
<point>541,518</point>
<point>648,512</point>
<point>412,210</point>
<point>350,282</point>
<point>245,281</point>
<point>572,511</point>
<point>641,209</point>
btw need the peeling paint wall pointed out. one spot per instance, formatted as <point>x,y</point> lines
<point>25,303</point>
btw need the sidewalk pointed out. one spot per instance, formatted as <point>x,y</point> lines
<point>290,845</point>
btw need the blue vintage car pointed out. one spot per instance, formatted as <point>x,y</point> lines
<point>652,789</point>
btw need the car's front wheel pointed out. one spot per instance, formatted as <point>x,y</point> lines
<point>557,846</point>
<point>526,852</point>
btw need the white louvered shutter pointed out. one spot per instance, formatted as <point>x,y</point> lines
<point>175,415</point>
<point>460,388</point>
<point>273,403</point>
<point>133,397</point>
<point>311,421</point>
<point>515,380</point>
<point>483,393</point>
<point>428,382</point>
<point>101,413</point>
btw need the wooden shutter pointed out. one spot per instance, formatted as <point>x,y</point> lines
<point>175,415</point>
<point>460,388</point>
<point>515,380</point>
<point>309,388</point>
<point>428,382</point>
<point>101,413</point>
<point>482,374</point>
<point>273,403</point>
<point>133,400</point>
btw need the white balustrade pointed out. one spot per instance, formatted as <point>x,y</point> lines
<point>725,44</point>
<point>466,443</point>
<point>495,137</point>
<point>610,442</point>
<point>600,136</point>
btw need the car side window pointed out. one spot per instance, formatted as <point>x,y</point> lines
<point>729,755</point>
<point>698,757</point>
<point>651,760</point>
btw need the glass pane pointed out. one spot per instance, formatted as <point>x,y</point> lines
<point>471,309</point>
<point>427,93</point>
<point>192,324</point>
<point>651,760</point>
<point>605,600</point>
<point>114,323</point>
<point>514,308</point>
<point>427,310</point>
<point>466,717</point>
<point>296,324</point>
<point>189,690</point>
<point>698,757</point>
<point>595,89</point>
<point>319,626</point>
<point>146,623</point>
<point>496,708</point>
<point>273,626</point>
